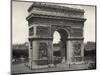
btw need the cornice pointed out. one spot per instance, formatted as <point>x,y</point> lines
<point>54,17</point>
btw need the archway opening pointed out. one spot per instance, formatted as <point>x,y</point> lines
<point>60,45</point>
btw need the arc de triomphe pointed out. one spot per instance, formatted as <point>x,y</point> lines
<point>43,20</point>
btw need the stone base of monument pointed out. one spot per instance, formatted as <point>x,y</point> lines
<point>33,66</point>
<point>36,66</point>
<point>39,67</point>
<point>82,62</point>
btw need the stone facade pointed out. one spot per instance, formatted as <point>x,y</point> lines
<point>43,20</point>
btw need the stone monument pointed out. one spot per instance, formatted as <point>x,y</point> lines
<point>43,20</point>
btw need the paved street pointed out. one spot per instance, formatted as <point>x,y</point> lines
<point>21,68</point>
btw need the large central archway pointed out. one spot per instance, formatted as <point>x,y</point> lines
<point>60,37</point>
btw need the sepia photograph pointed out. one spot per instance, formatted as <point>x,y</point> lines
<point>52,37</point>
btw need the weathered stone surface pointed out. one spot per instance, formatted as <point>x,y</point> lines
<point>43,31</point>
<point>48,18</point>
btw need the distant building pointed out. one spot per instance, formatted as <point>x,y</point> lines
<point>90,46</point>
<point>23,46</point>
<point>20,52</point>
<point>90,51</point>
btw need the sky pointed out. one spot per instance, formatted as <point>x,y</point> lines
<point>20,25</point>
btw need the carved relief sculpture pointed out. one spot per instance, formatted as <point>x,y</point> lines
<point>77,49</point>
<point>43,51</point>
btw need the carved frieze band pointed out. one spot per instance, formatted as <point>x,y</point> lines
<point>54,17</point>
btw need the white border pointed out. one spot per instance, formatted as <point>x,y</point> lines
<point>5,37</point>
